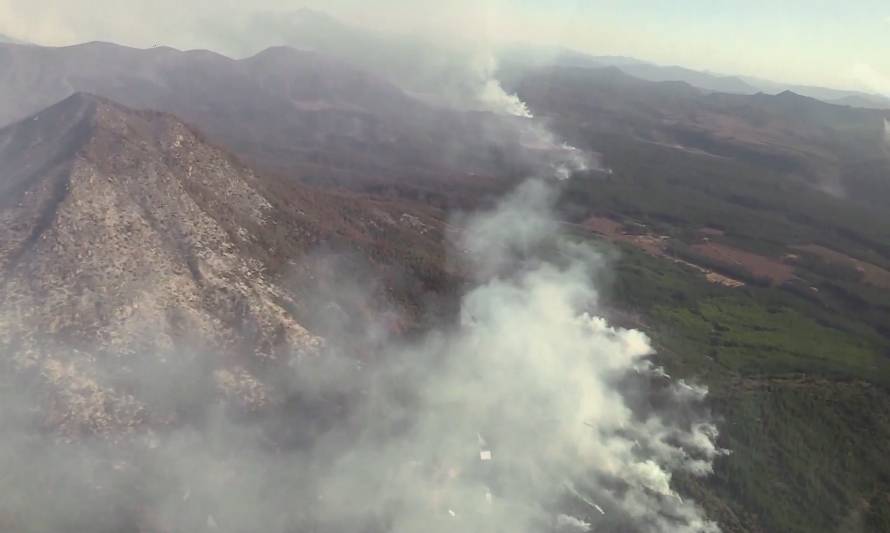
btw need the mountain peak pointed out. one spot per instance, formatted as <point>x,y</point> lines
<point>87,112</point>
<point>792,96</point>
<point>85,104</point>
<point>135,213</point>
<point>280,53</point>
<point>82,99</point>
<point>126,237</point>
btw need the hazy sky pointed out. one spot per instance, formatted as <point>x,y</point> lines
<point>825,42</point>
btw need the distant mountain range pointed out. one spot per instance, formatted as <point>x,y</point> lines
<point>640,69</point>
<point>838,149</point>
<point>5,39</point>
<point>424,67</point>
<point>703,80</point>
<point>315,116</point>
<point>454,77</point>
<point>282,109</point>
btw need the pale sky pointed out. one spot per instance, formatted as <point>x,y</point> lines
<point>843,44</point>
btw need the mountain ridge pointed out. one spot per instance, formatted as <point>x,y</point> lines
<point>709,81</point>
<point>129,242</point>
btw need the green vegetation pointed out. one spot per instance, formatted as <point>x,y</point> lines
<point>798,365</point>
<point>801,391</point>
<point>756,337</point>
<point>761,210</point>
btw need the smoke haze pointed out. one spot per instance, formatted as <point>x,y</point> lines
<point>733,37</point>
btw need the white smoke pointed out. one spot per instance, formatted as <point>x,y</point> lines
<point>561,158</point>
<point>493,96</point>
<point>530,414</point>
<point>489,92</point>
<point>573,160</point>
<point>536,372</point>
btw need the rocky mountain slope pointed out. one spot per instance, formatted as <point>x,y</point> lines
<point>131,245</point>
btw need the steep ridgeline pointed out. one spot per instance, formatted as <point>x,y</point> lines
<point>128,245</point>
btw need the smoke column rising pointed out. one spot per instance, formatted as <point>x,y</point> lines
<point>530,407</point>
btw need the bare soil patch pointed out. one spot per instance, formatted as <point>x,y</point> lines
<point>656,245</point>
<point>757,265</point>
<point>605,226</point>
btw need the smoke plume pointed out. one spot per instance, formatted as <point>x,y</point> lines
<point>531,413</point>
<point>489,92</point>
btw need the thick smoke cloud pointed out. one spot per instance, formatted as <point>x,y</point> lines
<point>530,414</point>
